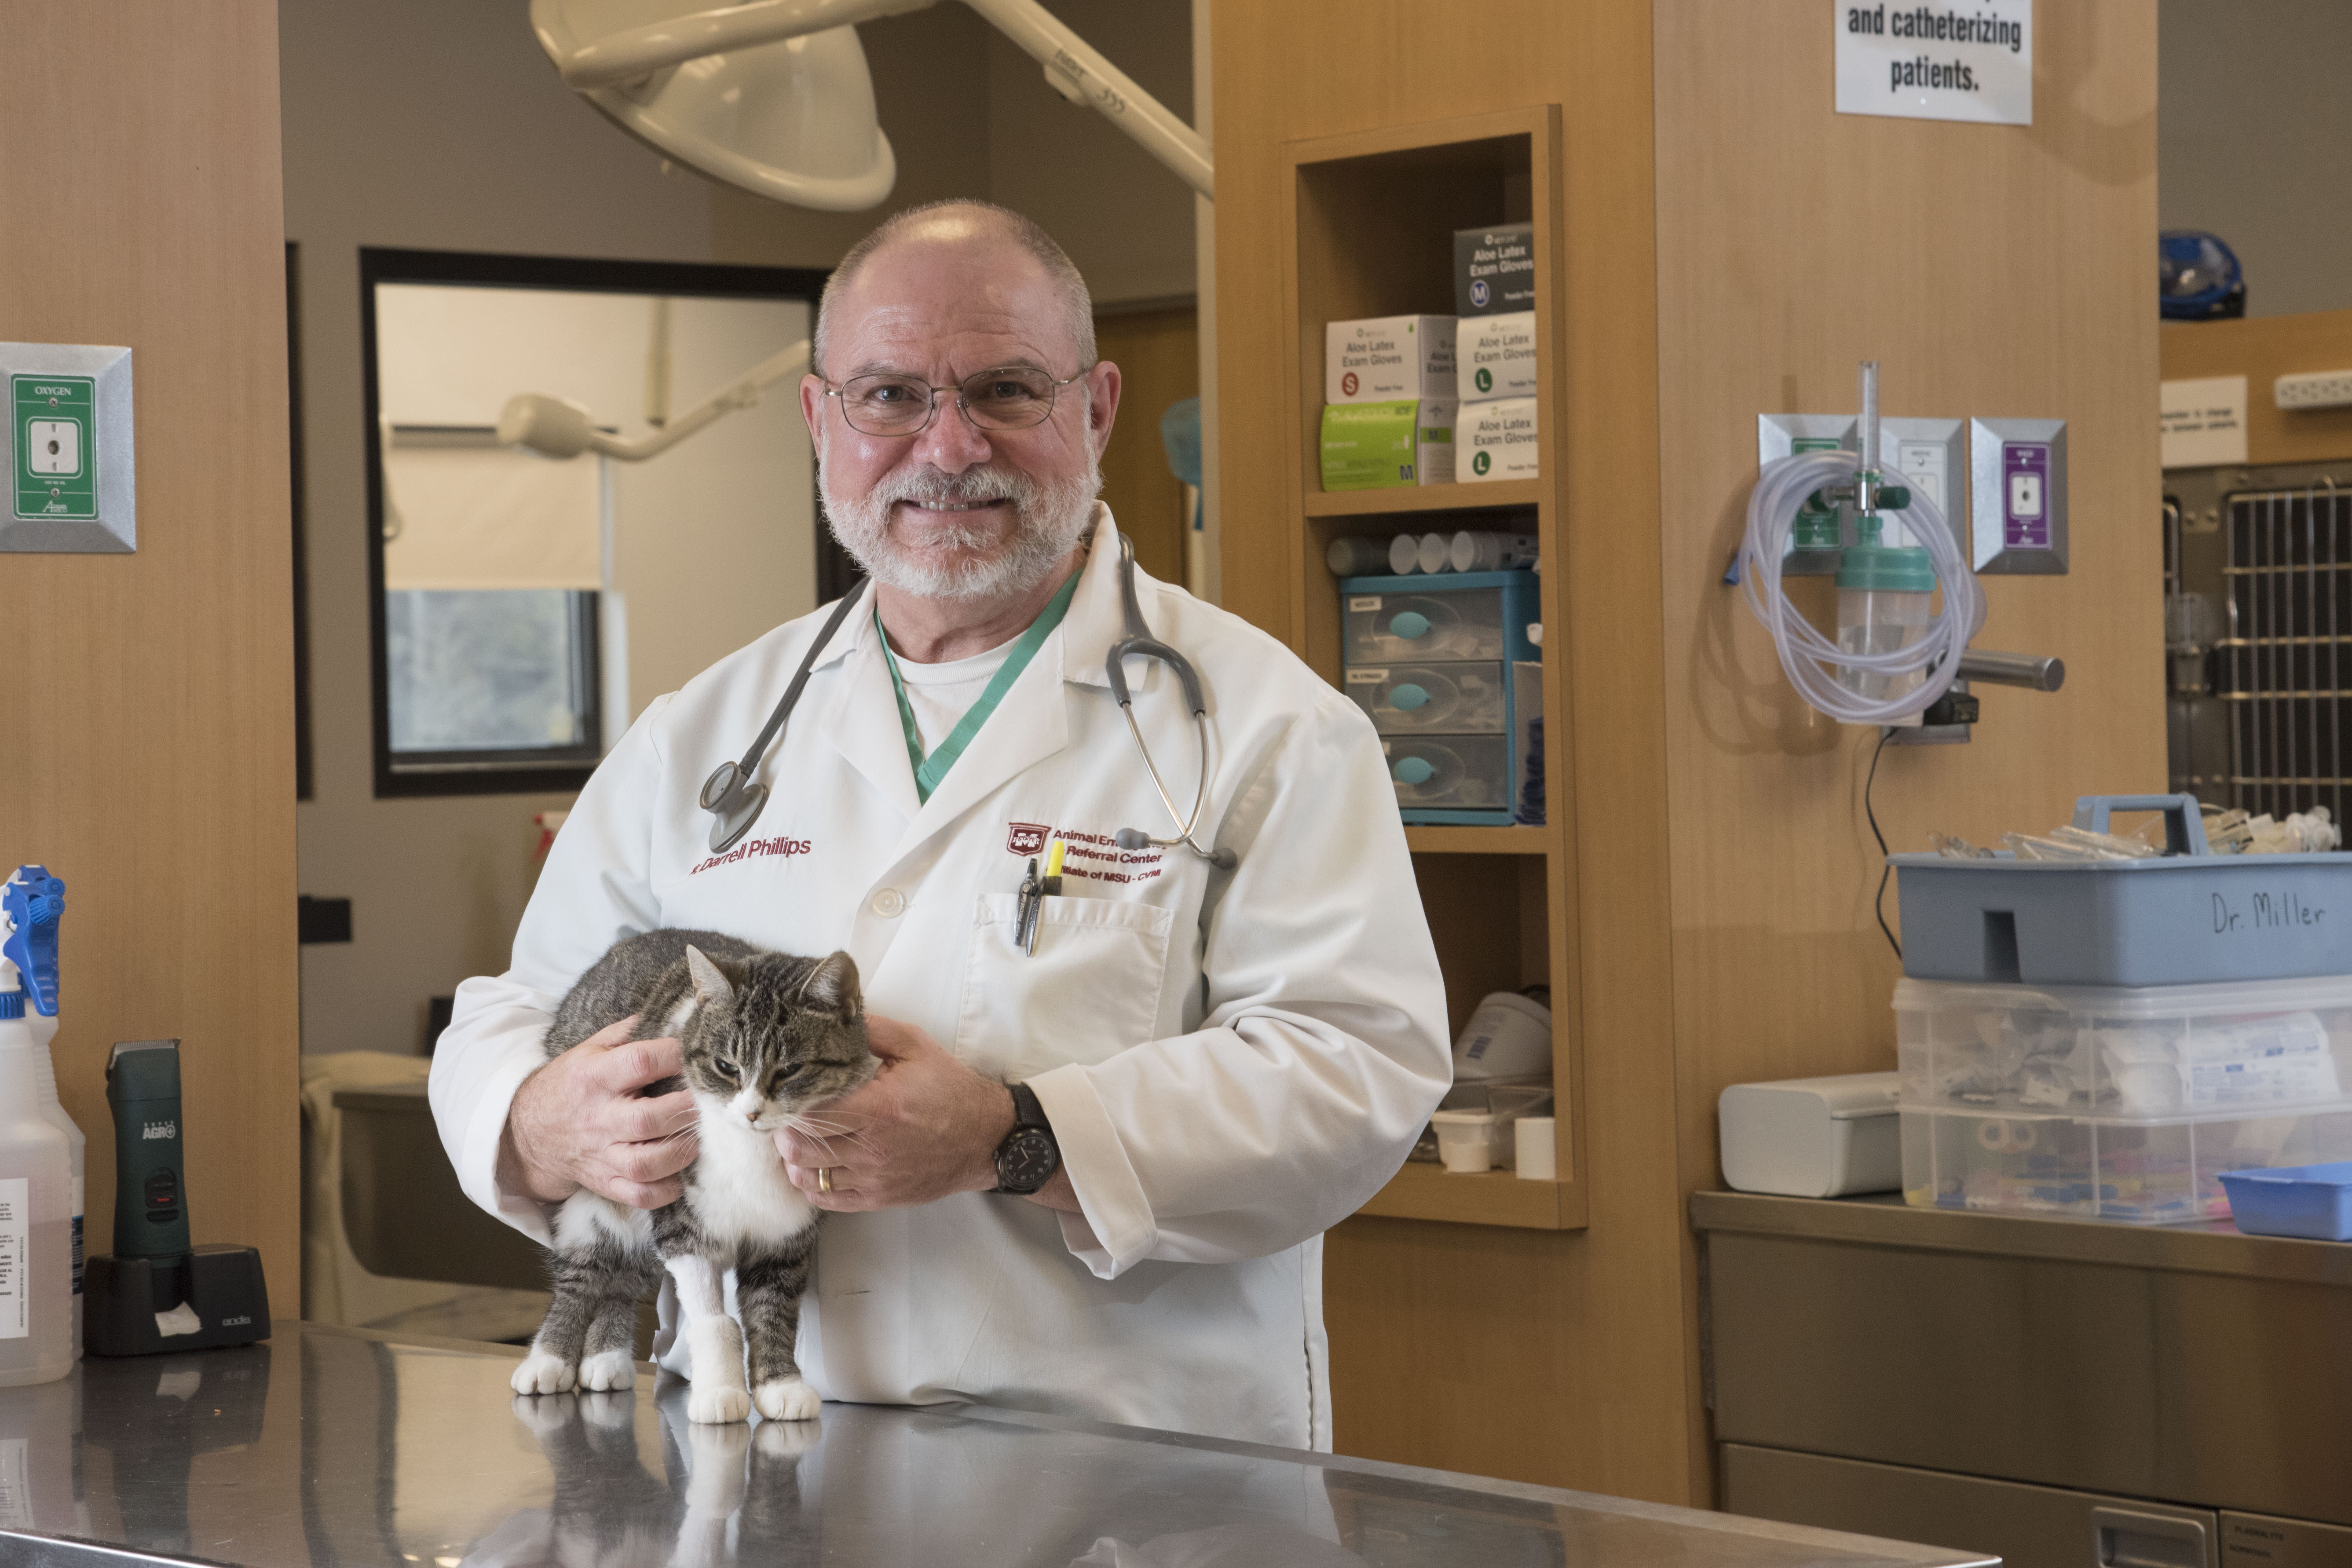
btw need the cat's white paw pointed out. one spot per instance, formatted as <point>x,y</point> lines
<point>542,1418</point>
<point>608,1369</point>
<point>787,1399</point>
<point>543,1374</point>
<point>720,1403</point>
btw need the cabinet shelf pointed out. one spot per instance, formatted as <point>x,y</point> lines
<point>1436,840</point>
<point>1487,495</point>
<point>1496,1197</point>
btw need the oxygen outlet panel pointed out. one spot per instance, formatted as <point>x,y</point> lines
<point>73,474</point>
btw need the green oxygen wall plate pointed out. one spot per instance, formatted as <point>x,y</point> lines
<point>72,470</point>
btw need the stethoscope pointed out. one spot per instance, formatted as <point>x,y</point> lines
<point>735,799</point>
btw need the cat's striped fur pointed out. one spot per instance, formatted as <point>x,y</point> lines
<point>766,1037</point>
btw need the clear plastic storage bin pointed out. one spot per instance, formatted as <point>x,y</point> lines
<point>2126,1103</point>
<point>1432,699</point>
<point>1464,772</point>
<point>1441,617</point>
<point>1381,628</point>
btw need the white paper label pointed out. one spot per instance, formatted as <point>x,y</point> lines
<point>15,1255</point>
<point>1937,61</point>
<point>2204,422</point>
<point>16,1485</point>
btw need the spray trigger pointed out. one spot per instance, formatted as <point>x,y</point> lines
<point>33,902</point>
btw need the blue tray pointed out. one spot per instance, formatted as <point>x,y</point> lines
<point>2310,1201</point>
<point>2188,917</point>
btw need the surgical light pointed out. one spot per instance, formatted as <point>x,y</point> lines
<point>774,96</point>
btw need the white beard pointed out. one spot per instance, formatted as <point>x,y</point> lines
<point>1049,520</point>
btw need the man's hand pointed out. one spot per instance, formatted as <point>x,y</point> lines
<point>579,1123</point>
<point>925,1127</point>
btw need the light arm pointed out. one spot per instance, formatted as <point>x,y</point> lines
<point>558,427</point>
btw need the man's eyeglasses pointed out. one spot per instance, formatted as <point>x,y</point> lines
<point>1012,398</point>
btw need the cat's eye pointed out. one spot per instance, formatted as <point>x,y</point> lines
<point>726,1069</point>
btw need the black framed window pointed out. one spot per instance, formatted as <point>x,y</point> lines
<point>500,676</point>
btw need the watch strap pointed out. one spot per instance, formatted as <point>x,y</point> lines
<point>1027,1111</point>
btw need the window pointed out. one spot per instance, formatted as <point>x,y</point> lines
<point>506,658</point>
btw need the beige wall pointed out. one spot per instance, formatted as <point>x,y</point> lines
<point>2254,140</point>
<point>438,124</point>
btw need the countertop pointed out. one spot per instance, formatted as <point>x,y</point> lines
<point>338,1446</point>
<point>2209,1246</point>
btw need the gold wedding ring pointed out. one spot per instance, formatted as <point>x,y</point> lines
<point>825,1180</point>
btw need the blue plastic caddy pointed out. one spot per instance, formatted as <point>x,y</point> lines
<point>2310,1201</point>
<point>2187,918</point>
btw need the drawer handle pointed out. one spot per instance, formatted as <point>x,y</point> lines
<point>1414,771</point>
<point>1412,625</point>
<point>1408,697</point>
<point>2125,1538</point>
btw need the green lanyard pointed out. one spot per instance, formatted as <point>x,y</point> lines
<point>931,770</point>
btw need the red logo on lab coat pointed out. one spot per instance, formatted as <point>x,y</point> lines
<point>1027,838</point>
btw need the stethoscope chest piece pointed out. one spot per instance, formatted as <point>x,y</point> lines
<point>734,801</point>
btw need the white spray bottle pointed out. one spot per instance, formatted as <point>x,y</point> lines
<point>37,1303</point>
<point>32,904</point>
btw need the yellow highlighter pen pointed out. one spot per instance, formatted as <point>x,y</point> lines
<point>1053,869</point>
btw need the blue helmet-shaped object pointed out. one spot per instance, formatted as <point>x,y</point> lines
<point>2198,277</point>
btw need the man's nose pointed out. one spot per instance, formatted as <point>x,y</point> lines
<point>949,443</point>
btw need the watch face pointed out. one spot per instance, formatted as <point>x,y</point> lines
<point>1027,1160</point>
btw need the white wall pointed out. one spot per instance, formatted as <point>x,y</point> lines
<point>2254,142</point>
<point>438,124</point>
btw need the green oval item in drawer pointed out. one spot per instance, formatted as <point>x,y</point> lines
<point>1409,624</point>
<point>1408,697</point>
<point>1412,771</point>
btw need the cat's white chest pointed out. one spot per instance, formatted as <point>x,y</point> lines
<point>740,1192</point>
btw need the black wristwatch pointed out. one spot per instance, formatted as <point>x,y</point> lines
<point>1028,1157</point>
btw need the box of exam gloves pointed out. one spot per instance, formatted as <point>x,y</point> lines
<point>1496,440</point>
<point>1496,356</point>
<point>1388,358</point>
<point>1494,269</point>
<point>1373,446</point>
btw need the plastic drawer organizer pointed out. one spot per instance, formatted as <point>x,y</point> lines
<point>1459,772</point>
<point>1431,699</point>
<point>1431,659</point>
<point>2126,1103</point>
<point>2187,917</point>
<point>1441,617</point>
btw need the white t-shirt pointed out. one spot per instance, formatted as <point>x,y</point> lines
<point>942,694</point>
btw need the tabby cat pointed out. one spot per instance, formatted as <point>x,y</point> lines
<point>767,1037</point>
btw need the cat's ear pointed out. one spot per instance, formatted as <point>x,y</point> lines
<point>709,984</point>
<point>833,985</point>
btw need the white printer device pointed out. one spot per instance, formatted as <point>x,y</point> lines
<point>1813,1137</point>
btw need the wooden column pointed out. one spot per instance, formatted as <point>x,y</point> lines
<point>148,708</point>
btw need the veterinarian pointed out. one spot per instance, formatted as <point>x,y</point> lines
<point>1197,1069</point>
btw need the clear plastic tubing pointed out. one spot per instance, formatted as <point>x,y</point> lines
<point>1811,660</point>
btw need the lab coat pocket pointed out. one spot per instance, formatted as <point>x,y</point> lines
<point>1090,990</point>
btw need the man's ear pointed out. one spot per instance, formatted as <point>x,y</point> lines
<point>833,985</point>
<point>709,983</point>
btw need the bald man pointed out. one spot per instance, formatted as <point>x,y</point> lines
<point>1092,1174</point>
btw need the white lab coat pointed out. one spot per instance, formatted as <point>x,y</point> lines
<point>1232,1062</point>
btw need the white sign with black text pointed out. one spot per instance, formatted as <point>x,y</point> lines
<point>1937,61</point>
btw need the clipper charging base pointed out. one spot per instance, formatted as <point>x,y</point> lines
<point>156,1291</point>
